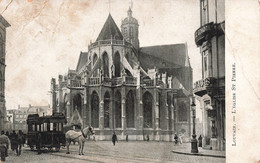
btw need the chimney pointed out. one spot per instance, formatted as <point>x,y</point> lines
<point>30,105</point>
<point>18,106</point>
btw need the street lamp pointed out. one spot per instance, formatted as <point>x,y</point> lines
<point>194,143</point>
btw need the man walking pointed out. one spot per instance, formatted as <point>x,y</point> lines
<point>4,145</point>
<point>114,138</point>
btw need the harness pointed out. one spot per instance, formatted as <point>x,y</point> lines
<point>82,133</point>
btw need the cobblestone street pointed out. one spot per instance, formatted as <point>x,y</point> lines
<point>104,151</point>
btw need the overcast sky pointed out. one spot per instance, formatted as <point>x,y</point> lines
<point>46,37</point>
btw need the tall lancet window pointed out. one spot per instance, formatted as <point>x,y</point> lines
<point>105,65</point>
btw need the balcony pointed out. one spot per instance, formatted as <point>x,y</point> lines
<point>201,87</point>
<point>207,31</point>
<point>108,42</point>
<point>94,81</point>
<point>75,84</point>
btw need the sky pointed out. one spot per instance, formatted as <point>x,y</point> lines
<point>46,37</point>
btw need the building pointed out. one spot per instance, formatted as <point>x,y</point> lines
<point>18,117</point>
<point>210,90</point>
<point>3,25</point>
<point>119,86</point>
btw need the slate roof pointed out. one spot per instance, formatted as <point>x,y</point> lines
<point>173,56</point>
<point>83,59</point>
<point>109,30</point>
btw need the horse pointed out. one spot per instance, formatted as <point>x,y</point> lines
<point>79,137</point>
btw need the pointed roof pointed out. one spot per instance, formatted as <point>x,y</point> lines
<point>83,59</point>
<point>109,30</point>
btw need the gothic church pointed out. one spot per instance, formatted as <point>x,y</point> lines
<point>119,86</point>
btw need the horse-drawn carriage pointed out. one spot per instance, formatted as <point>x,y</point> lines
<point>46,131</point>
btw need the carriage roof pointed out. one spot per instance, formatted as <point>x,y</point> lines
<point>54,118</point>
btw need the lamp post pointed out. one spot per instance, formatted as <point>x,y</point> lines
<point>194,142</point>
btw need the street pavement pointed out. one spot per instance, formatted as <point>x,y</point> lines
<point>104,151</point>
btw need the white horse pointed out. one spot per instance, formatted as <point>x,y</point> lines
<point>79,137</point>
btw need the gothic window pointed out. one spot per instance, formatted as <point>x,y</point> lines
<point>118,109</point>
<point>160,110</point>
<point>94,110</point>
<point>117,64</point>
<point>105,65</point>
<point>169,103</point>
<point>147,110</point>
<point>94,61</point>
<point>130,110</point>
<point>106,109</point>
<point>77,103</point>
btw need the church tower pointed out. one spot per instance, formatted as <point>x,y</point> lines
<point>129,29</point>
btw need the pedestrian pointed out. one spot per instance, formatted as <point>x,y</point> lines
<point>20,140</point>
<point>126,138</point>
<point>7,134</point>
<point>175,139</point>
<point>14,142</point>
<point>38,144</point>
<point>147,137</point>
<point>200,141</point>
<point>180,138</point>
<point>114,138</point>
<point>4,145</point>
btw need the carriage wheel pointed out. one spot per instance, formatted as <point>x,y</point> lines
<point>50,149</point>
<point>57,149</point>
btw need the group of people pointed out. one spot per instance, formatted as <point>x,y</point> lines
<point>17,141</point>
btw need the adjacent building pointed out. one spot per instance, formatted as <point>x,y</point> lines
<point>18,117</point>
<point>3,25</point>
<point>210,90</point>
<point>122,87</point>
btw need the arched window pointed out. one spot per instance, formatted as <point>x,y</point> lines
<point>117,64</point>
<point>118,110</point>
<point>77,103</point>
<point>94,110</point>
<point>105,65</point>
<point>94,58</point>
<point>106,110</point>
<point>169,103</point>
<point>147,110</point>
<point>94,62</point>
<point>160,110</point>
<point>130,110</point>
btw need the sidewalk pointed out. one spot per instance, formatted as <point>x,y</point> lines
<point>185,149</point>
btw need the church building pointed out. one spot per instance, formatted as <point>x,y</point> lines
<point>119,86</point>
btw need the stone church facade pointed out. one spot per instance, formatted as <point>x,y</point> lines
<point>119,86</point>
<point>3,25</point>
